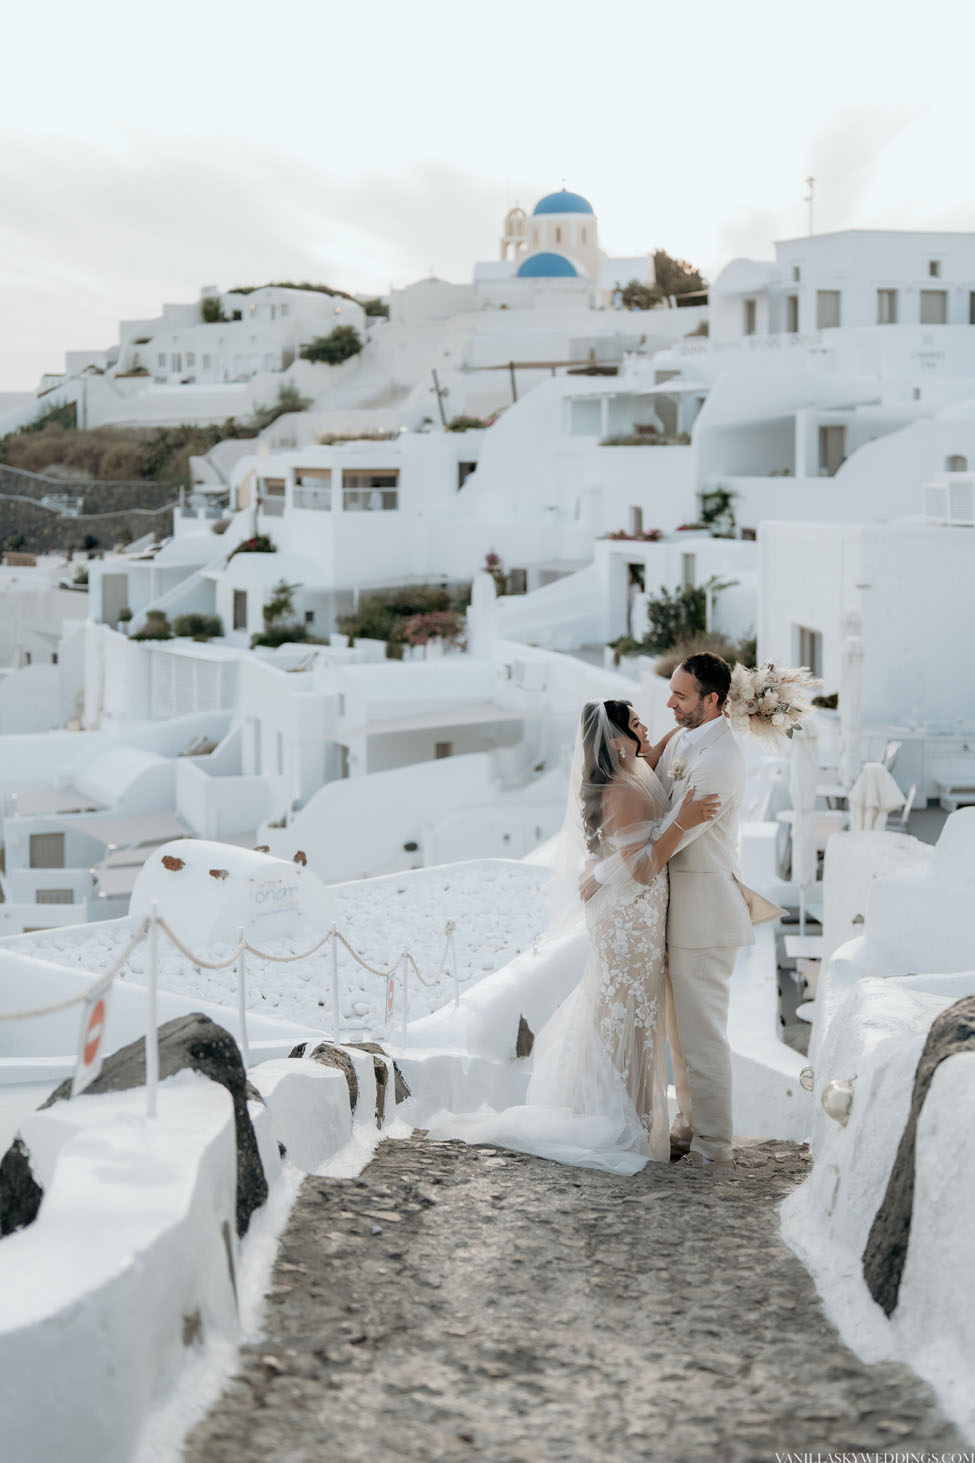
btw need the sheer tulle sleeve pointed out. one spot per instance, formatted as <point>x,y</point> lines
<point>628,836</point>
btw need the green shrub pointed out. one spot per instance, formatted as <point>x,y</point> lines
<point>289,398</point>
<point>211,310</point>
<point>156,627</point>
<point>465,424</point>
<point>274,635</point>
<point>290,284</point>
<point>281,603</point>
<point>729,650</point>
<point>376,307</point>
<point>199,627</point>
<point>258,543</point>
<point>343,343</point>
<point>718,512</point>
<point>385,616</point>
<point>674,616</point>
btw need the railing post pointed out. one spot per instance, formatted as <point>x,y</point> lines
<point>336,1030</point>
<point>152,1034</point>
<point>406,998</point>
<point>453,960</point>
<point>242,1000</point>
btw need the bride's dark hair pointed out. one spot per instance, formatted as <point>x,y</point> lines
<point>598,763</point>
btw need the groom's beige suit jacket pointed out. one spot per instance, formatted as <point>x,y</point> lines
<point>710,907</point>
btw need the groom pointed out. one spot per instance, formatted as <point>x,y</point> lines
<point>710,914</point>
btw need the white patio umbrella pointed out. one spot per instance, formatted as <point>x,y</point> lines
<point>872,797</point>
<point>851,680</point>
<point>803,776</point>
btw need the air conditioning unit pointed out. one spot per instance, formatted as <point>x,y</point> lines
<point>951,500</point>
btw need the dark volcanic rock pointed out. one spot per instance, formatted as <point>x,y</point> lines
<point>402,1089</point>
<point>886,1249</point>
<point>197,1042</point>
<point>525,1039</point>
<point>20,1194</point>
<point>331,1055</point>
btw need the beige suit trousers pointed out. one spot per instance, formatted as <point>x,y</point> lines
<point>698,992</point>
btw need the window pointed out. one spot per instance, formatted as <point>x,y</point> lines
<point>47,850</point>
<point>161,359</point>
<point>309,617</point>
<point>370,491</point>
<point>971,307</point>
<point>636,521</point>
<point>191,358</point>
<point>252,309</point>
<point>313,488</point>
<point>750,315</point>
<point>272,495</point>
<point>688,570</point>
<point>795,272</point>
<point>279,750</point>
<point>206,363</point>
<point>934,268</point>
<point>886,307</point>
<point>832,449</point>
<point>54,896</point>
<point>256,742</point>
<point>827,309</point>
<point>956,463</point>
<point>443,749</point>
<point>240,609</point>
<point>809,648</point>
<point>792,314</point>
<point>583,233</point>
<point>934,307</point>
<point>558,234</point>
<point>283,310</point>
<point>177,361</point>
<point>464,470</point>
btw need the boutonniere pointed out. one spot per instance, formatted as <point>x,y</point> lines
<point>677,769</point>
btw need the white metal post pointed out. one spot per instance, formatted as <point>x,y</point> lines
<point>152,1034</point>
<point>453,960</point>
<point>242,1000</point>
<point>406,1005</point>
<point>336,1032</point>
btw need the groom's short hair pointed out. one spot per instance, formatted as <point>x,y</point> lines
<point>710,673</point>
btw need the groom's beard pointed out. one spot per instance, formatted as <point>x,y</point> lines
<point>689,719</point>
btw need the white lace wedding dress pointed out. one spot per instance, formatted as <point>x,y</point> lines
<point>597,1096</point>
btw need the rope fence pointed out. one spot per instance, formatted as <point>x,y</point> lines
<point>89,1061</point>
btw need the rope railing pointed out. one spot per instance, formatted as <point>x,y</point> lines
<point>88,1067</point>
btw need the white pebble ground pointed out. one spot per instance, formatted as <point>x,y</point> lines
<point>497,907</point>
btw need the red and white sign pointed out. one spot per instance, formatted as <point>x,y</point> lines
<point>390,995</point>
<point>94,1018</point>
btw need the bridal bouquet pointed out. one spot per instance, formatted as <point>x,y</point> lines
<point>771,701</point>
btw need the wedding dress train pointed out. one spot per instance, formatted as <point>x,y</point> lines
<point>597,1097</point>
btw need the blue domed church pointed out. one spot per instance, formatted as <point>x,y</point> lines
<point>555,251</point>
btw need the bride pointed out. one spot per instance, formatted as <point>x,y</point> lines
<point>598,1091</point>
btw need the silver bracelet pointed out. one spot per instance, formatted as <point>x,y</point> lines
<point>680,826</point>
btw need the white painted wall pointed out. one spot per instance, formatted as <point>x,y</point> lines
<point>909,581</point>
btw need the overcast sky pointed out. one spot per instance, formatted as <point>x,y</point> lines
<point>365,143</point>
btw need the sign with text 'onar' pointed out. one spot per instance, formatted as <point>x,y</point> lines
<point>91,1044</point>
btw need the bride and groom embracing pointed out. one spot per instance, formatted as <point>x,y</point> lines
<point>649,848</point>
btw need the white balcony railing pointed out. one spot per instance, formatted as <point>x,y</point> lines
<point>316,498</point>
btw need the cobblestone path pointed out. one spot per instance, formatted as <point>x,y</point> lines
<point>456,1303</point>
